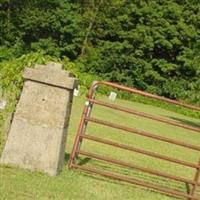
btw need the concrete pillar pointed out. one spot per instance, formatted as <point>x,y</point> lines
<point>38,132</point>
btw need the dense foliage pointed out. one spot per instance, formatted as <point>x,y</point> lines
<point>153,45</point>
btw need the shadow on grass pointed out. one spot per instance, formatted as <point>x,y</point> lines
<point>124,183</point>
<point>84,161</point>
<point>185,188</point>
<point>67,156</point>
<point>186,122</point>
<point>80,161</point>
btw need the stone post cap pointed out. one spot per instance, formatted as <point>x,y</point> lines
<point>51,74</point>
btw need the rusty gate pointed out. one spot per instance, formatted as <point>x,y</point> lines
<point>81,135</point>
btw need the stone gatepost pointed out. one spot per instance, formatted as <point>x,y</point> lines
<point>38,132</point>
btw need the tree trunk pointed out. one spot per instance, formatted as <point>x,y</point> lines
<point>8,15</point>
<point>92,21</point>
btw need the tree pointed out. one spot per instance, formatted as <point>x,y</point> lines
<point>152,45</point>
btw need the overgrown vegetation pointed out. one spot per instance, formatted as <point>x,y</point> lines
<point>152,45</point>
<point>11,82</point>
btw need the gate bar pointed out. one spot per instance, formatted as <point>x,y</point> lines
<point>78,139</point>
<point>142,93</point>
<point>81,134</point>
<point>147,153</point>
<point>142,114</point>
<point>135,181</point>
<point>132,166</point>
<point>196,180</point>
<point>143,133</point>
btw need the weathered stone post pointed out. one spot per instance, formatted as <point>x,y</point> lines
<point>37,136</point>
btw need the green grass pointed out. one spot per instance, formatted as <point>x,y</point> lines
<point>72,184</point>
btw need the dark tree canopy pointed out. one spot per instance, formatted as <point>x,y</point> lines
<point>153,45</point>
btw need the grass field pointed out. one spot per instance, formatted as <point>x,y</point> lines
<point>74,185</point>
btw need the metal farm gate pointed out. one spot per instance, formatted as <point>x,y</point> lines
<point>81,135</point>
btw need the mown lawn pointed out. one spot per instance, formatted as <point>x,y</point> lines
<point>72,184</point>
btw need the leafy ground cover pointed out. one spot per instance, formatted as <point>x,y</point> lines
<point>71,184</point>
